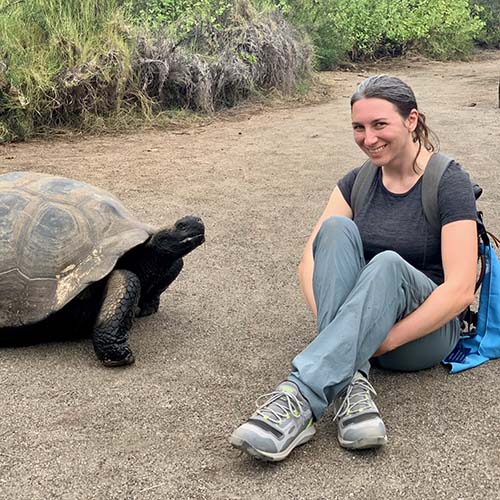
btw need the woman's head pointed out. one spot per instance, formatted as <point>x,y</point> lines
<point>402,98</point>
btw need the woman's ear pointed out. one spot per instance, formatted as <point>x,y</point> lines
<point>412,120</point>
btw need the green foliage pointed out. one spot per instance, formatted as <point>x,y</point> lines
<point>489,12</point>
<point>49,48</point>
<point>317,18</point>
<point>85,64</point>
<point>360,29</point>
<point>185,14</point>
<point>82,62</point>
<point>442,29</point>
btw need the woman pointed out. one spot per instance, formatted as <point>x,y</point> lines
<point>384,284</point>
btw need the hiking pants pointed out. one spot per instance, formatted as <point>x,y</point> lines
<point>358,304</point>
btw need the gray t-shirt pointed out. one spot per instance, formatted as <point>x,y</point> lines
<point>389,221</point>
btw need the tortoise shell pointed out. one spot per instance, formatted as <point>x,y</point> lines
<point>57,236</point>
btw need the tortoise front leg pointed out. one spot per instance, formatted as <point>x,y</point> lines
<point>110,333</point>
<point>150,298</point>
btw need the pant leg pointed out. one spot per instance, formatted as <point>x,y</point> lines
<point>386,290</point>
<point>424,352</point>
<point>338,261</point>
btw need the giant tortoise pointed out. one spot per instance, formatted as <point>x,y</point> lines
<point>72,257</point>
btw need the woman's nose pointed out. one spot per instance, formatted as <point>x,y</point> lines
<point>370,138</point>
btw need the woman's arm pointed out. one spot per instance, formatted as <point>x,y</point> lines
<point>336,206</point>
<point>459,256</point>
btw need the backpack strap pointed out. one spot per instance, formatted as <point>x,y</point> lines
<point>436,166</point>
<point>361,186</point>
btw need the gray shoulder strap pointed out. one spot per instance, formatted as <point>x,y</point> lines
<point>436,166</point>
<point>361,185</point>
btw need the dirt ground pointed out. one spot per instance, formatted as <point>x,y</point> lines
<point>229,326</point>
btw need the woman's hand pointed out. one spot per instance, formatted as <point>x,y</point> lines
<point>386,346</point>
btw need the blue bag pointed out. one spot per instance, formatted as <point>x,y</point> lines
<point>485,344</point>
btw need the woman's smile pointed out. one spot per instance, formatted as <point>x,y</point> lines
<point>378,149</point>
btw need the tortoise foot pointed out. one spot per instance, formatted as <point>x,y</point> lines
<point>127,360</point>
<point>148,308</point>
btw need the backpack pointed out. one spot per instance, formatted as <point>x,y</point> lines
<point>436,166</point>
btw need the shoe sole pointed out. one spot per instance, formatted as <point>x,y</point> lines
<point>364,443</point>
<point>243,445</point>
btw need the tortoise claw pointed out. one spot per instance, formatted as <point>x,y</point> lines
<point>128,360</point>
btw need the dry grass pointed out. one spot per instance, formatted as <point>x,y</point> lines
<point>81,82</point>
<point>263,54</point>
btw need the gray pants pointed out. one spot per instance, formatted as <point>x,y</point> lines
<point>358,304</point>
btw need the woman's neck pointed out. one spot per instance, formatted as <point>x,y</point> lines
<point>400,178</point>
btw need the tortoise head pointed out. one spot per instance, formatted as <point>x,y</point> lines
<point>175,242</point>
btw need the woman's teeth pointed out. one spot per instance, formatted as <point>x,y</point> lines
<point>376,150</point>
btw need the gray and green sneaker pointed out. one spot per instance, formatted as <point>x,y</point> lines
<point>281,423</point>
<point>359,424</point>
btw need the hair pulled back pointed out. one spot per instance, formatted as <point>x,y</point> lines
<point>400,94</point>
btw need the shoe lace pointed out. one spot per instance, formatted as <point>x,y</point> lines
<point>278,405</point>
<point>357,398</point>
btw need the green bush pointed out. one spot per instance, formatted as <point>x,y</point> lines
<point>489,12</point>
<point>360,29</point>
<point>85,64</point>
<point>184,14</point>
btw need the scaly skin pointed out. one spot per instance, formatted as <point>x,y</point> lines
<point>110,334</point>
<point>150,299</point>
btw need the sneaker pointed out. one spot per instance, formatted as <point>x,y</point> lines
<point>358,419</point>
<point>281,423</point>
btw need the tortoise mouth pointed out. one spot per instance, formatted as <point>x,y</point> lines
<point>196,240</point>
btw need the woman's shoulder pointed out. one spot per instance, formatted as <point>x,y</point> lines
<point>456,195</point>
<point>454,174</point>
<point>346,183</point>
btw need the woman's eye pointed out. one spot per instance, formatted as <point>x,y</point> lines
<point>380,125</point>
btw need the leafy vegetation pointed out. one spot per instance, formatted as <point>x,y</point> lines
<point>489,12</point>
<point>60,59</point>
<point>184,14</point>
<point>354,30</point>
<point>85,63</point>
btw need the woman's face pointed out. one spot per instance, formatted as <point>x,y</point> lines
<point>381,132</point>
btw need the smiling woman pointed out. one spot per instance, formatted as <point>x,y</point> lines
<point>385,284</point>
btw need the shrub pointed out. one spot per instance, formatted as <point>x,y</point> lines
<point>361,29</point>
<point>81,63</point>
<point>489,12</point>
<point>183,15</point>
<point>63,60</point>
<point>250,53</point>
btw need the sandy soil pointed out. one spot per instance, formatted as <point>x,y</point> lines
<point>230,325</point>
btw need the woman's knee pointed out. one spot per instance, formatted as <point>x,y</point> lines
<point>389,267</point>
<point>388,260</point>
<point>336,224</point>
<point>423,353</point>
<point>338,234</point>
